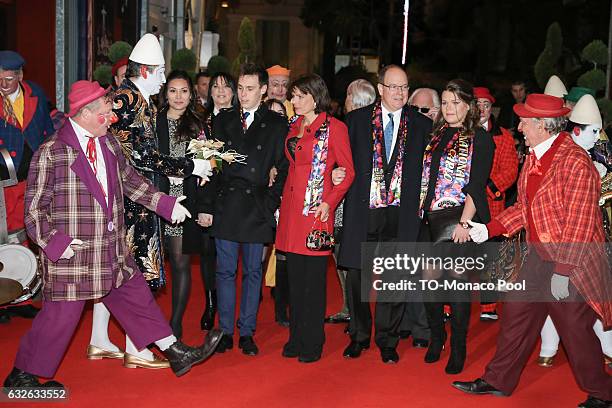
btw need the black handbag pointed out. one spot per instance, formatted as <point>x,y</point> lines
<point>320,239</point>
<point>442,223</point>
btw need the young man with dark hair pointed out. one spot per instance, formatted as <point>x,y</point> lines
<point>245,203</point>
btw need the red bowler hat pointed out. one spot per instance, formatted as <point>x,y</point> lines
<point>82,93</point>
<point>482,92</point>
<point>541,106</point>
<point>122,62</point>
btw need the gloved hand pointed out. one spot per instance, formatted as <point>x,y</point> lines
<point>179,213</point>
<point>559,286</point>
<point>479,232</point>
<point>202,168</point>
<point>175,181</point>
<point>69,252</point>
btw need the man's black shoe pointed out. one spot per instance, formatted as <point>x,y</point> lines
<point>211,342</point>
<point>248,346</point>
<point>289,351</point>
<point>183,357</point>
<point>20,379</point>
<point>389,355</point>
<point>354,349</point>
<point>478,386</point>
<point>226,343</point>
<point>25,311</point>
<point>338,318</point>
<point>420,343</point>
<point>592,402</point>
<point>309,359</point>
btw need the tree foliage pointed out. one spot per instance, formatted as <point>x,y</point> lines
<point>246,44</point>
<point>218,64</point>
<point>546,64</point>
<point>594,79</point>
<point>118,50</point>
<point>103,74</point>
<point>185,60</point>
<point>596,53</point>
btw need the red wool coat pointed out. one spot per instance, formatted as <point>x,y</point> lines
<point>503,171</point>
<point>567,218</point>
<point>293,227</point>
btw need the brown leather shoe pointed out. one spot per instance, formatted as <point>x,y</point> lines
<point>546,361</point>
<point>131,361</point>
<point>96,353</point>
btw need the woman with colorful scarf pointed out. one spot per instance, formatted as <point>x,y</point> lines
<point>456,167</point>
<point>315,145</point>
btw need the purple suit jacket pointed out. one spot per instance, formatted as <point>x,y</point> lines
<point>64,201</point>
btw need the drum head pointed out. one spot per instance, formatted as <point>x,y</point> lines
<point>18,263</point>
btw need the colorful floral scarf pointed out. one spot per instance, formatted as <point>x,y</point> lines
<point>453,173</point>
<point>379,196</point>
<point>314,188</point>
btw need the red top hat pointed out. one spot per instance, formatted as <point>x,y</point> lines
<point>482,92</point>
<point>541,106</point>
<point>82,93</point>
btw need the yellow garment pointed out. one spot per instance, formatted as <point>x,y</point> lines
<point>270,278</point>
<point>18,107</point>
<point>289,107</point>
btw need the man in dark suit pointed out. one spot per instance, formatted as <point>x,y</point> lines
<point>397,134</point>
<point>245,205</point>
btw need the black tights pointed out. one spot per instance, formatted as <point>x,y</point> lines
<point>181,282</point>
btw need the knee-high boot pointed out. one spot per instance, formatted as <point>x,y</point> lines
<point>435,319</point>
<point>459,327</point>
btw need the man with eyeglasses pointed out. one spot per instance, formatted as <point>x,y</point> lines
<point>426,101</point>
<point>388,139</point>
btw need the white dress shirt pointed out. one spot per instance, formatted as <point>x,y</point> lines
<point>83,138</point>
<point>396,122</point>
<point>543,147</point>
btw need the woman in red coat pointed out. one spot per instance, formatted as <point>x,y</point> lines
<point>315,145</point>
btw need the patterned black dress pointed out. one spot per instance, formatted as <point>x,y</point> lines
<point>135,131</point>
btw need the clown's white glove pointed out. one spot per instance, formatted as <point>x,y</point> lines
<point>478,232</point>
<point>179,213</point>
<point>69,252</point>
<point>559,286</point>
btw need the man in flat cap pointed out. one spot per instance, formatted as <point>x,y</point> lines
<point>24,124</point>
<point>75,208</point>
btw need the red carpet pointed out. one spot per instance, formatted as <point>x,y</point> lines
<point>268,380</point>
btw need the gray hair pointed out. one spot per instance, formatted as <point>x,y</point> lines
<point>363,93</point>
<point>553,125</point>
<point>434,96</point>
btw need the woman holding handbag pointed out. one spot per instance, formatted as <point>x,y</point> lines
<point>316,143</point>
<point>456,166</point>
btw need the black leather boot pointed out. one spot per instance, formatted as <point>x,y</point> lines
<point>183,357</point>
<point>435,319</point>
<point>459,326</point>
<point>208,318</point>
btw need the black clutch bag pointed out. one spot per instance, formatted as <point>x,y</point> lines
<point>442,223</point>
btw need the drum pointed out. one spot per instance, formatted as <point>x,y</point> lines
<point>19,263</point>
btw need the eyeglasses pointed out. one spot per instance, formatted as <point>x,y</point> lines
<point>397,88</point>
<point>422,110</point>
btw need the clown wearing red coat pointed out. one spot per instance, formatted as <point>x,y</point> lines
<point>558,193</point>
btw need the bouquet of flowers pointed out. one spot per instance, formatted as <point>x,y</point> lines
<point>208,149</point>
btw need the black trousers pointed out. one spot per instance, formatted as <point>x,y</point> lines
<point>307,302</point>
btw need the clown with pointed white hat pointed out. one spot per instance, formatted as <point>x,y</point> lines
<point>135,130</point>
<point>555,87</point>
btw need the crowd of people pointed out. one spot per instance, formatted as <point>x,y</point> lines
<point>109,191</point>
